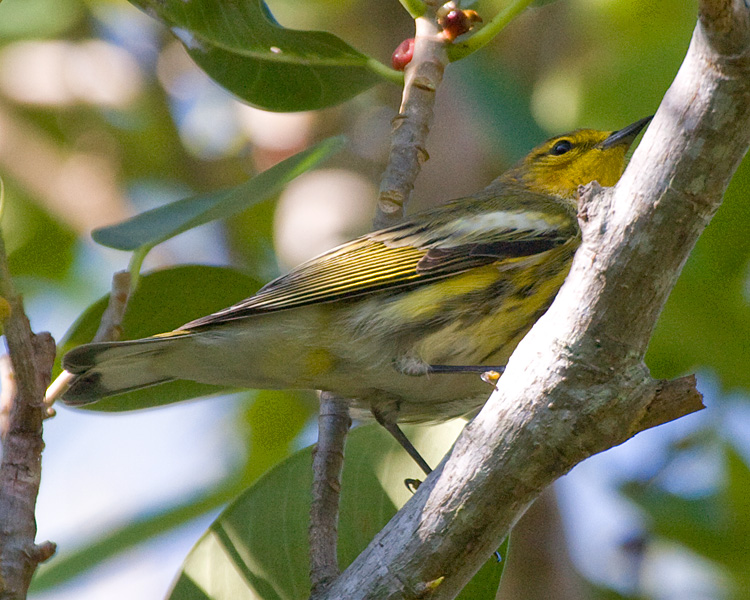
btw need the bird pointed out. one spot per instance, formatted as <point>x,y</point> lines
<point>400,321</point>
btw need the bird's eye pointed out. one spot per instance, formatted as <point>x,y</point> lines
<point>561,147</point>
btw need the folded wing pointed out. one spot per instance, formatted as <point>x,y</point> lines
<point>451,239</point>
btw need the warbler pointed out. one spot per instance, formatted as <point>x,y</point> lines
<point>398,320</point>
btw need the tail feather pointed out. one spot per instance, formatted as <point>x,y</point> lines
<point>111,368</point>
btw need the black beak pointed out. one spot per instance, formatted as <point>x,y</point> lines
<point>626,135</point>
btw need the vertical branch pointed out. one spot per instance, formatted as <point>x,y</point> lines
<point>408,151</point>
<point>20,472</point>
<point>328,461</point>
<point>412,124</point>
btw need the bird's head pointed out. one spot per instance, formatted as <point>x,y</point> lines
<point>562,163</point>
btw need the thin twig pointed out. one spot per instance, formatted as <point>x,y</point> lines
<point>110,330</point>
<point>410,128</point>
<point>328,462</point>
<point>412,124</point>
<point>20,472</point>
<point>8,390</point>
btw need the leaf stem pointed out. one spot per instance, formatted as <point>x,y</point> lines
<point>136,262</point>
<point>416,8</point>
<point>459,50</point>
<point>385,72</point>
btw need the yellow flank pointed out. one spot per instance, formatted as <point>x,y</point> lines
<point>425,302</point>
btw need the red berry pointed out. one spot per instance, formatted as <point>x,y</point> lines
<point>403,54</point>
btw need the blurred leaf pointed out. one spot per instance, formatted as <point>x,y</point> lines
<point>38,246</point>
<point>250,236</point>
<point>271,421</point>
<point>635,50</point>
<point>509,124</point>
<point>38,18</point>
<point>159,224</point>
<point>64,567</point>
<point>597,592</point>
<point>698,524</point>
<point>164,300</point>
<point>258,546</point>
<point>736,554</point>
<point>5,310</point>
<point>716,527</point>
<point>706,321</point>
<point>481,585</point>
<point>47,252</point>
<point>245,50</point>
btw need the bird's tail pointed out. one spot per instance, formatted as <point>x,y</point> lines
<point>110,368</point>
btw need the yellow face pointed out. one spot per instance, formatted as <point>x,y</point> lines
<point>561,164</point>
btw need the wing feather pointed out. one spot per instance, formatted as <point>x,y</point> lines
<point>430,246</point>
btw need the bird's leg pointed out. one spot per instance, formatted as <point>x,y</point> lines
<point>463,369</point>
<point>386,420</point>
<point>489,375</point>
<point>410,365</point>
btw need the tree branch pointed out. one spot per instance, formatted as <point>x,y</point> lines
<point>412,124</point>
<point>408,141</point>
<point>576,385</point>
<point>20,472</point>
<point>328,462</point>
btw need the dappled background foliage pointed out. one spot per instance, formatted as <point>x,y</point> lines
<point>103,114</point>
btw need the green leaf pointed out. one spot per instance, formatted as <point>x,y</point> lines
<point>164,300</point>
<point>258,546</point>
<point>39,18</point>
<point>66,566</point>
<point>160,224</point>
<point>246,51</point>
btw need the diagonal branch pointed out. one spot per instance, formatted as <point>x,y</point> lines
<point>576,385</point>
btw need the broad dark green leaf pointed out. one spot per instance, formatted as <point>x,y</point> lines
<point>258,547</point>
<point>159,224</point>
<point>163,301</point>
<point>245,50</point>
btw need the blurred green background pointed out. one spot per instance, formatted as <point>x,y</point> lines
<point>103,114</point>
